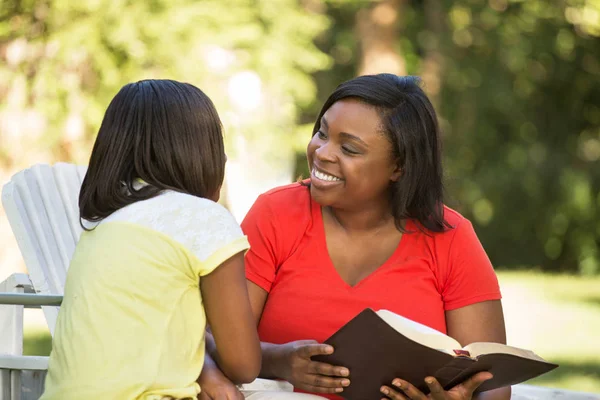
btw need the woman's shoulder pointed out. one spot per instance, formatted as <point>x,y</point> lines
<point>456,223</point>
<point>285,211</point>
<point>459,233</point>
<point>453,217</point>
<point>291,198</point>
<point>291,191</point>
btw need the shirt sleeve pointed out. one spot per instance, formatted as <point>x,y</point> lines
<point>470,276</point>
<point>261,227</point>
<point>216,236</point>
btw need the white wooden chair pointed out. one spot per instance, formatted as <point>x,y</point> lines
<point>41,204</point>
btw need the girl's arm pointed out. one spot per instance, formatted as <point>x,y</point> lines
<point>231,321</point>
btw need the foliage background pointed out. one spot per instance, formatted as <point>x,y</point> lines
<point>516,84</point>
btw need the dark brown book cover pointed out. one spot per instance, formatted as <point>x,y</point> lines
<point>375,353</point>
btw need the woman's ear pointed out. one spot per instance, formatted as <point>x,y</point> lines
<point>396,174</point>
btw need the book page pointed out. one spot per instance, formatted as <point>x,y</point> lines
<point>479,348</point>
<point>419,333</point>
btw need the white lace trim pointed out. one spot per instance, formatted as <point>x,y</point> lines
<point>200,225</point>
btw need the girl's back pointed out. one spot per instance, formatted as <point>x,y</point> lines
<point>132,310</point>
<point>162,261</point>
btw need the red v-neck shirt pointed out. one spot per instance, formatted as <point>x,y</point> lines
<point>425,276</point>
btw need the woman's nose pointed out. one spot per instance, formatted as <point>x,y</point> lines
<point>325,153</point>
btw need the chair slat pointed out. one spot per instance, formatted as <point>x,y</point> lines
<point>37,212</point>
<point>68,181</point>
<point>41,204</point>
<point>60,236</point>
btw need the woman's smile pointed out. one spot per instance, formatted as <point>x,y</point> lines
<point>324,180</point>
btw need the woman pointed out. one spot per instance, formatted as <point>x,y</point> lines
<point>369,229</point>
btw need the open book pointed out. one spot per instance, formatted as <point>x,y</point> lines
<point>379,346</point>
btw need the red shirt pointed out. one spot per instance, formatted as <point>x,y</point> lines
<point>426,275</point>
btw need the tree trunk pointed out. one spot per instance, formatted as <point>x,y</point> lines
<point>377,30</point>
<point>433,61</point>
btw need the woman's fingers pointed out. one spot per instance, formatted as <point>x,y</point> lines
<point>314,376</point>
<point>392,393</point>
<point>436,390</point>
<point>471,384</point>
<point>323,384</point>
<point>327,369</point>
<point>308,349</point>
<point>410,391</point>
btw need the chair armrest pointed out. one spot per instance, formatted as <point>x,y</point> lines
<point>16,281</point>
<point>8,361</point>
<point>27,299</point>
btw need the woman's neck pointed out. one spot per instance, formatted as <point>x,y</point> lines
<point>365,220</point>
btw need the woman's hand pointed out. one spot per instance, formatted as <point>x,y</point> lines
<point>297,368</point>
<point>464,391</point>
<point>214,385</point>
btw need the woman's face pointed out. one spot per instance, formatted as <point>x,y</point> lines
<point>350,158</point>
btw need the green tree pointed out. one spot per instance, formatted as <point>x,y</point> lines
<point>517,88</point>
<point>520,100</point>
<point>62,62</point>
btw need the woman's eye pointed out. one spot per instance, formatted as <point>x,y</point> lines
<point>348,150</point>
<point>321,135</point>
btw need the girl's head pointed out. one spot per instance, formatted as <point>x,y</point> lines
<point>377,141</point>
<point>165,133</point>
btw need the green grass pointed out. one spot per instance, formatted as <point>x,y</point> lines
<point>556,316</point>
<point>37,342</point>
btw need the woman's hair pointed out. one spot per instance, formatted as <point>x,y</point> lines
<point>166,134</point>
<point>410,123</point>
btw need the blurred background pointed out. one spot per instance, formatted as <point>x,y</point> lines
<point>516,84</point>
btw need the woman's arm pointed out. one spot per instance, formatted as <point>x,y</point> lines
<point>231,321</point>
<point>291,361</point>
<point>479,322</point>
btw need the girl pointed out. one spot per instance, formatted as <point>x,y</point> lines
<point>159,259</point>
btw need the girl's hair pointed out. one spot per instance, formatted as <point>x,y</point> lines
<point>166,134</point>
<point>410,123</point>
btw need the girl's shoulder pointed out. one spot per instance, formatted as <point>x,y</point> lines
<point>172,209</point>
<point>197,223</point>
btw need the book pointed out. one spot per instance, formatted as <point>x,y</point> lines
<point>378,347</point>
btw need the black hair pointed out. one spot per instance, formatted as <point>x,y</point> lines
<point>410,123</point>
<point>163,132</point>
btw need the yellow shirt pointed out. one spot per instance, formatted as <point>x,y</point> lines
<point>132,324</point>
